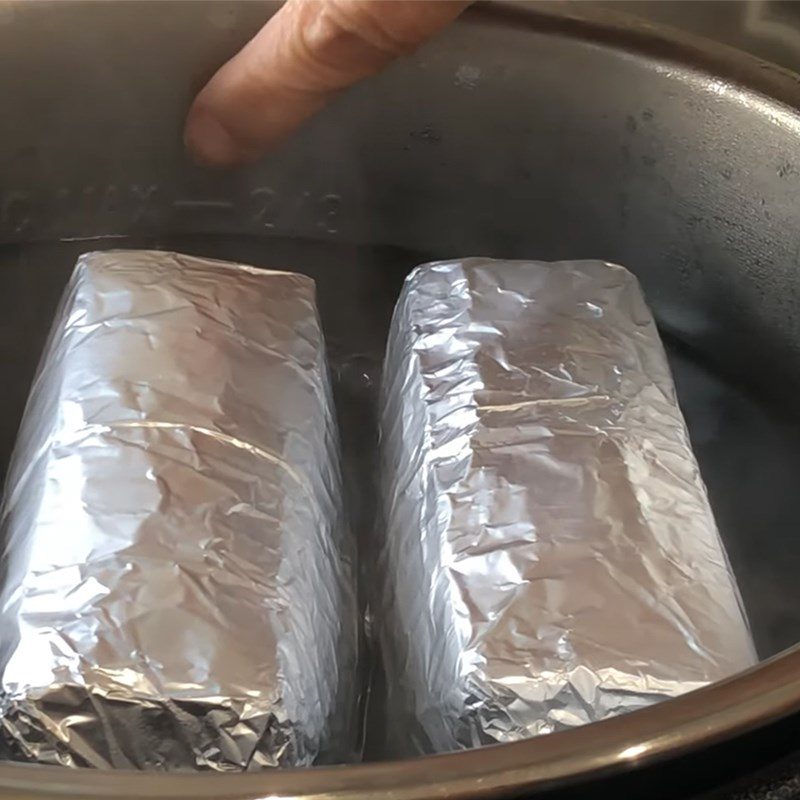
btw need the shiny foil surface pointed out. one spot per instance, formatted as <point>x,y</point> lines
<point>550,555</point>
<point>177,586</point>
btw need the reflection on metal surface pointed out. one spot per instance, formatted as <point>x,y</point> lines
<point>634,751</point>
<point>178,586</point>
<point>550,554</point>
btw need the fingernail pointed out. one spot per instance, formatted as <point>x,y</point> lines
<point>208,142</point>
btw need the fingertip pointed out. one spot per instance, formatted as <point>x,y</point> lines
<point>303,57</point>
<point>210,144</point>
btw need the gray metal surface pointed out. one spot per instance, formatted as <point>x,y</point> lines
<point>558,133</point>
<point>768,29</point>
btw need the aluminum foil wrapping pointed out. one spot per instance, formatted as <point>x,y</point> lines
<point>177,581</point>
<point>550,554</point>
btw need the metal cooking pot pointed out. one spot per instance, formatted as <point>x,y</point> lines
<point>545,132</point>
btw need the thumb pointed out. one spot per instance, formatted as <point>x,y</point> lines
<point>307,53</point>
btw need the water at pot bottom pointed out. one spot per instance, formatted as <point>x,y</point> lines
<point>749,451</point>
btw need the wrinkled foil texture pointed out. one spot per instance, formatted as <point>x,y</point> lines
<point>550,555</point>
<point>177,584</point>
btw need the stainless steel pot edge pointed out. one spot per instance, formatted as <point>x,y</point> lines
<point>762,695</point>
<point>756,698</point>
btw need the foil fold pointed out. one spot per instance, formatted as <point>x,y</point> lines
<point>177,587</point>
<point>549,555</point>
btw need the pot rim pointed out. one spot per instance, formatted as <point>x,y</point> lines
<point>762,695</point>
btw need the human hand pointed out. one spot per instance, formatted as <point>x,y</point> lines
<point>304,56</point>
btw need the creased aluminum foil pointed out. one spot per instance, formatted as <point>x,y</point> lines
<point>550,555</point>
<point>177,588</point>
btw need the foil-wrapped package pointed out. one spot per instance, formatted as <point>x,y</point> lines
<point>550,554</point>
<point>177,580</point>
